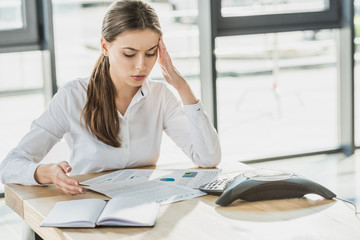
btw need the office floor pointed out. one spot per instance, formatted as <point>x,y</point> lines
<point>10,223</point>
<point>340,174</point>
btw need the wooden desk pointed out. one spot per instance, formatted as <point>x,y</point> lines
<point>200,218</point>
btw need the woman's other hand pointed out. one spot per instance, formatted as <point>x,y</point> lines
<point>173,77</point>
<point>168,70</point>
<point>57,174</point>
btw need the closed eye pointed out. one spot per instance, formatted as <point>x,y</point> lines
<point>150,55</point>
<point>129,55</point>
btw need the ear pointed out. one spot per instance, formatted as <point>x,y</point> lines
<point>104,46</point>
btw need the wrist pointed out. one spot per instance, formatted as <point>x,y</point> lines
<point>42,174</point>
<point>179,83</point>
<point>186,94</point>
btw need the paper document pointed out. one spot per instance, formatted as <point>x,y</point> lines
<point>120,176</point>
<point>150,191</point>
<point>192,178</point>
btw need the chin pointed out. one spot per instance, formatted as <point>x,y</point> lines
<point>137,83</point>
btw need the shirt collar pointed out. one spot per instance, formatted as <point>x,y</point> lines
<point>141,93</point>
<point>144,90</point>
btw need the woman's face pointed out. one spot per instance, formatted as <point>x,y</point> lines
<point>132,56</point>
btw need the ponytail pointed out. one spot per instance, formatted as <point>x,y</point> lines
<point>100,113</point>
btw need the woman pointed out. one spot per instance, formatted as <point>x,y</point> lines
<point>116,117</point>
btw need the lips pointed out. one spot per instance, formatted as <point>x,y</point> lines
<point>138,77</point>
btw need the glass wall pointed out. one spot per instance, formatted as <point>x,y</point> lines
<point>277,85</point>
<point>277,77</point>
<point>11,16</point>
<point>277,94</point>
<point>21,96</point>
<point>21,78</point>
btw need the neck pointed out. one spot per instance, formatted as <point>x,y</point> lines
<point>124,96</point>
<point>123,91</point>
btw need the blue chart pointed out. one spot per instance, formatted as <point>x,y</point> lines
<point>190,174</point>
<point>167,179</point>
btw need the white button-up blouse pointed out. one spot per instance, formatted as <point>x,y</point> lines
<point>154,109</point>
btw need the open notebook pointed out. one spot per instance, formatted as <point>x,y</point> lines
<point>89,213</point>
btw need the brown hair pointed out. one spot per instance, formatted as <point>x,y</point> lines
<point>100,113</point>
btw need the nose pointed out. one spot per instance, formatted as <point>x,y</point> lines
<point>140,63</point>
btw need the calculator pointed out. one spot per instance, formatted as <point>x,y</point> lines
<point>216,187</point>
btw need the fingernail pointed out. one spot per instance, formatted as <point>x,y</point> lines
<point>80,191</point>
<point>76,183</point>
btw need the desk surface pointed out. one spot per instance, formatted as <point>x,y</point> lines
<point>200,218</point>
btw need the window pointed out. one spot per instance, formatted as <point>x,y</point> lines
<point>281,76</point>
<point>18,24</point>
<point>11,15</point>
<point>277,94</point>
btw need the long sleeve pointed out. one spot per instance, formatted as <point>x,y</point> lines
<point>191,129</point>
<point>21,162</point>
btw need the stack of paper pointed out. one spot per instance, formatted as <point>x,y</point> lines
<point>163,186</point>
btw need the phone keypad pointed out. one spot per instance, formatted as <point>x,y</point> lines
<point>217,186</point>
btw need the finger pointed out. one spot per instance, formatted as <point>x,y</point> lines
<point>69,185</point>
<point>164,57</point>
<point>162,44</point>
<point>63,182</point>
<point>72,190</point>
<point>65,166</point>
<point>160,50</point>
<point>62,177</point>
<point>160,38</point>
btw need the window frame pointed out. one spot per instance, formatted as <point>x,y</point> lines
<point>283,22</point>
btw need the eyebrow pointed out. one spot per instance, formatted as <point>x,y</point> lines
<point>133,49</point>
